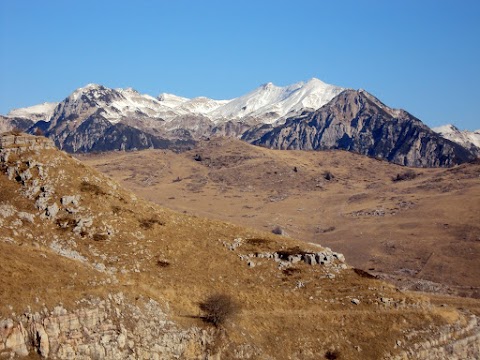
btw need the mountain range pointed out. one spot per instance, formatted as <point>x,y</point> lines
<point>308,115</point>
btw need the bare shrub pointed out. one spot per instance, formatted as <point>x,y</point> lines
<point>149,223</point>
<point>218,308</point>
<point>364,273</point>
<point>327,175</point>
<point>277,230</point>
<point>332,355</point>
<point>99,237</point>
<point>256,241</point>
<point>16,131</point>
<point>163,263</point>
<point>407,175</point>
<point>85,186</point>
<point>290,271</point>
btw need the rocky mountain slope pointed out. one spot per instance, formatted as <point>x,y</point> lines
<point>468,139</point>
<point>356,121</point>
<point>320,116</point>
<point>88,270</point>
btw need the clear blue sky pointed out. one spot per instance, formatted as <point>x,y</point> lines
<point>423,56</point>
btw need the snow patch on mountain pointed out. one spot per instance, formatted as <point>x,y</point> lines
<point>278,101</point>
<point>463,137</point>
<point>265,104</point>
<point>36,112</point>
<point>171,101</point>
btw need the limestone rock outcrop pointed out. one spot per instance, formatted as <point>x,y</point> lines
<point>102,329</point>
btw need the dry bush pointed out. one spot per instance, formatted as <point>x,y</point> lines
<point>277,230</point>
<point>85,186</point>
<point>332,355</point>
<point>290,271</point>
<point>327,175</point>
<point>163,263</point>
<point>99,237</point>
<point>218,308</point>
<point>16,131</point>
<point>407,175</point>
<point>116,209</point>
<point>364,274</point>
<point>149,223</point>
<point>256,241</point>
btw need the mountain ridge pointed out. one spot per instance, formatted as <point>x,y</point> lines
<point>83,120</point>
<point>359,122</point>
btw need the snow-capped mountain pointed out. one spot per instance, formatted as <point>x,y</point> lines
<point>278,101</point>
<point>468,139</point>
<point>118,104</point>
<point>359,122</point>
<point>113,104</point>
<point>36,112</point>
<point>307,115</point>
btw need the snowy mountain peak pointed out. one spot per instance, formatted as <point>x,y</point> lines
<point>468,139</point>
<point>171,100</point>
<point>37,112</point>
<point>265,104</point>
<point>91,86</point>
<point>278,101</point>
<point>268,86</point>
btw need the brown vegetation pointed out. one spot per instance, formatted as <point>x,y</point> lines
<point>218,308</point>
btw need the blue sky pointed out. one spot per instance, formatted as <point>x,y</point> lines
<point>423,56</point>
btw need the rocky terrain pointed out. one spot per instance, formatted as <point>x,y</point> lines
<point>89,270</point>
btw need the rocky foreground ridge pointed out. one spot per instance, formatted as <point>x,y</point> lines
<point>88,270</point>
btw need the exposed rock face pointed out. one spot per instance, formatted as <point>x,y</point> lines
<point>20,143</point>
<point>356,121</point>
<point>452,344</point>
<point>102,330</point>
<point>10,123</point>
<point>95,133</point>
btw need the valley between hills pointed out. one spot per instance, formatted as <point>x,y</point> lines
<point>91,270</point>
<point>421,233</point>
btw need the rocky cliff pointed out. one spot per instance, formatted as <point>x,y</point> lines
<point>357,121</point>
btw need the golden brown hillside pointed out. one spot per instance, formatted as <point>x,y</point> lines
<point>88,270</point>
<point>422,232</point>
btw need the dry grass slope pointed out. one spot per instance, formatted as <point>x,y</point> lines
<point>147,251</point>
<point>421,232</point>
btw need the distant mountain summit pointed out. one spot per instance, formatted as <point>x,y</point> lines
<point>308,115</point>
<point>357,121</point>
<point>468,139</point>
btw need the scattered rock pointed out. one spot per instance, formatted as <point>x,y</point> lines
<point>52,211</point>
